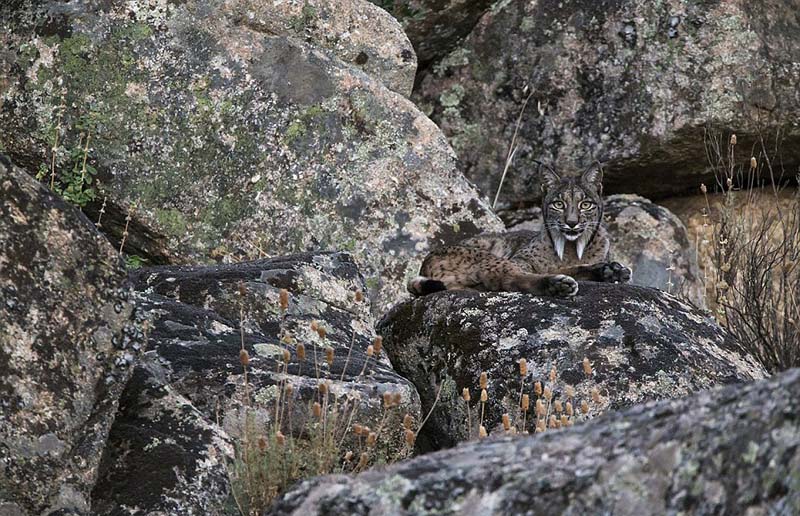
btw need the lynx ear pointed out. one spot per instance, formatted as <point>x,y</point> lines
<point>548,177</point>
<point>593,176</point>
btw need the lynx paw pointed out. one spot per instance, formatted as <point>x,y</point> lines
<point>561,286</point>
<point>612,272</point>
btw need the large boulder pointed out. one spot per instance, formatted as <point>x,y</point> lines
<point>67,341</point>
<point>358,33</point>
<point>634,84</point>
<point>189,401</point>
<point>641,343</point>
<point>222,142</point>
<point>734,450</point>
<point>646,237</point>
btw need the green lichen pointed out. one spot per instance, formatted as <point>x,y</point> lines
<point>453,96</point>
<point>172,221</point>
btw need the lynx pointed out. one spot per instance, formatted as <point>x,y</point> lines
<point>572,245</point>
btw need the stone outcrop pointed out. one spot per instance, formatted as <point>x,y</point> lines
<point>633,84</point>
<point>224,142</point>
<point>67,341</point>
<point>642,343</point>
<point>734,450</point>
<point>188,401</point>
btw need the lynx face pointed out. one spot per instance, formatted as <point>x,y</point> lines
<point>572,207</point>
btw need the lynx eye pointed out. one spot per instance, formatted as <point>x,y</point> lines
<point>587,205</point>
<point>559,205</point>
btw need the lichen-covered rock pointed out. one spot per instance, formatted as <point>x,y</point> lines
<point>163,456</point>
<point>646,237</point>
<point>230,143</point>
<point>355,31</point>
<point>733,450</point>
<point>634,84</point>
<point>67,340</point>
<point>643,344</point>
<point>202,318</point>
<point>435,26</point>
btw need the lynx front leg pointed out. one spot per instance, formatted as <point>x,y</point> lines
<point>606,272</point>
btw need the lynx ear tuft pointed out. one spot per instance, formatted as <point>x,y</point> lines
<point>548,177</point>
<point>593,176</point>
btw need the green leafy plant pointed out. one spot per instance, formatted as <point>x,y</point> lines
<point>73,181</point>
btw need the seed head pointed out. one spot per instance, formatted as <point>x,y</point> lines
<point>540,410</point>
<point>584,407</point>
<point>288,389</point>
<point>552,422</point>
<point>484,380</point>
<point>280,438</point>
<point>348,456</point>
<point>283,299</point>
<point>314,325</point>
<point>548,393</point>
<point>733,139</point>
<point>526,402</point>
<point>540,426</point>
<point>482,432</point>
<point>564,420</point>
<point>465,394</point>
<point>370,351</point>
<point>595,395</point>
<point>397,398</point>
<point>523,367</point>
<point>569,410</point>
<point>242,288</point>
<point>729,182</point>
<point>570,391</point>
<point>359,296</point>
<point>317,409</point>
<point>321,331</point>
<point>244,357</point>
<point>363,460</point>
<point>323,388</point>
<point>329,355</point>
<point>506,422</point>
<point>587,367</point>
<point>703,188</point>
<point>387,400</point>
<point>537,388</point>
<point>410,438</point>
<point>558,407</point>
<point>377,345</point>
<point>262,443</point>
<point>484,395</point>
<point>372,438</point>
<point>301,352</point>
<point>357,429</point>
<point>753,163</point>
<point>553,374</point>
<point>408,421</point>
<point>286,356</point>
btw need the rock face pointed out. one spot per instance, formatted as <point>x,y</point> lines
<point>187,400</point>
<point>728,451</point>
<point>646,237</point>
<point>643,344</point>
<point>358,33</point>
<point>229,142</point>
<point>633,84</point>
<point>67,340</point>
<point>435,26</point>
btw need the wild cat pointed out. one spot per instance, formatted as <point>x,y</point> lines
<point>572,245</point>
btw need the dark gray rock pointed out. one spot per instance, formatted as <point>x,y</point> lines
<point>435,26</point>
<point>232,143</point>
<point>67,343</point>
<point>733,450</point>
<point>634,84</point>
<point>646,237</point>
<point>644,345</point>
<point>193,381</point>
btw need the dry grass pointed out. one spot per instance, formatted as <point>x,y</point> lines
<point>272,456</point>
<point>752,250</point>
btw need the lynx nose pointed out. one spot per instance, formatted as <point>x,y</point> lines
<point>572,223</point>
